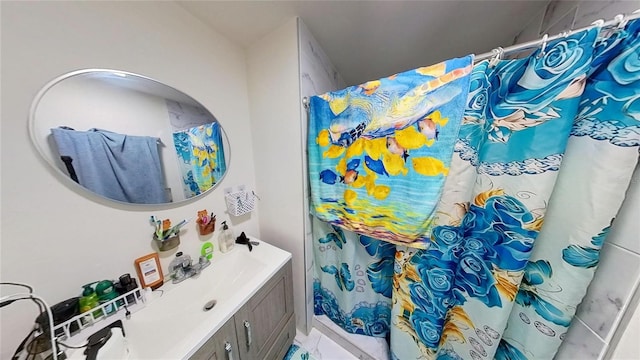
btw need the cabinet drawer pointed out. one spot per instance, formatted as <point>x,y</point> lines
<point>221,346</point>
<point>283,342</point>
<point>265,316</point>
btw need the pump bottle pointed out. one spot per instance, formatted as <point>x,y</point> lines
<point>226,239</point>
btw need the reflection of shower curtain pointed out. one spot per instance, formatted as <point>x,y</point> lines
<point>201,155</point>
<point>495,282</point>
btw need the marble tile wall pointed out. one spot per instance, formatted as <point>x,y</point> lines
<point>611,299</point>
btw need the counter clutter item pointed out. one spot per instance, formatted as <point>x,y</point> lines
<point>166,236</point>
<point>125,284</point>
<point>149,271</point>
<point>226,238</point>
<point>249,287</point>
<point>244,240</point>
<point>88,301</point>
<point>206,222</point>
<point>106,292</point>
<point>107,342</point>
<point>67,329</point>
<point>240,202</point>
<point>207,250</point>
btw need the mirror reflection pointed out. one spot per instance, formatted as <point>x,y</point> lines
<point>128,138</point>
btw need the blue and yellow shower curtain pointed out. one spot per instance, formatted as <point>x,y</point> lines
<point>543,158</point>
<point>545,154</point>
<point>379,152</point>
<point>201,157</point>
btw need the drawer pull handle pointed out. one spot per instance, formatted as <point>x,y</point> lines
<point>247,332</point>
<point>227,349</point>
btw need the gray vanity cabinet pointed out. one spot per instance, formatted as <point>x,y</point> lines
<point>260,323</point>
<point>263,329</point>
<point>221,346</point>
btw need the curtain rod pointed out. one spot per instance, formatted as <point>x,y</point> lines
<point>618,20</point>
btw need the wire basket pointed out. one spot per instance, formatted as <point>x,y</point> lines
<point>240,202</point>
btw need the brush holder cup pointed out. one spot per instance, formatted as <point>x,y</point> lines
<point>168,243</point>
<point>206,229</point>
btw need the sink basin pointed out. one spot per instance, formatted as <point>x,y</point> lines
<point>175,325</point>
<point>227,274</point>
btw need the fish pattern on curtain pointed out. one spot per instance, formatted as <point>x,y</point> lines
<point>352,279</point>
<point>201,156</point>
<point>379,152</point>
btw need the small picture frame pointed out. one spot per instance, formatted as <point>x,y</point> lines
<point>149,271</point>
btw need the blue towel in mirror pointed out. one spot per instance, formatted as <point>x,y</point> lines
<point>120,167</point>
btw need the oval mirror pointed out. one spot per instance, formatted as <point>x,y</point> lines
<point>128,138</point>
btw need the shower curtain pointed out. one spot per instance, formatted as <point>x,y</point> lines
<point>544,156</point>
<point>353,279</point>
<point>201,157</point>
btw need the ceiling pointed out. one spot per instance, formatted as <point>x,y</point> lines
<point>368,40</point>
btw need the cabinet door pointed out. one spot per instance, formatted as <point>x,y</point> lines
<point>265,316</point>
<point>221,346</point>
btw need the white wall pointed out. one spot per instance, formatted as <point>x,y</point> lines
<point>603,326</point>
<point>275,104</point>
<point>561,15</point>
<point>53,237</point>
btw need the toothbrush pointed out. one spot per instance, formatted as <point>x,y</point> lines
<point>158,225</point>
<point>176,228</point>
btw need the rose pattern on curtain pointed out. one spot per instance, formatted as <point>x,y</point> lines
<point>545,153</point>
<point>543,139</point>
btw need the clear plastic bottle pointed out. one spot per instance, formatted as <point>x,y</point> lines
<point>226,239</point>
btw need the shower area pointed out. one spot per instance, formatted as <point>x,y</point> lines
<point>460,293</point>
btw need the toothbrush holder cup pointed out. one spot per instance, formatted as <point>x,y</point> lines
<point>206,229</point>
<point>168,243</point>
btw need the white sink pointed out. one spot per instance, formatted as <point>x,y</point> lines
<point>174,325</point>
<point>227,274</point>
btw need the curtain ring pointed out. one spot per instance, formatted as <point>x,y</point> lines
<point>598,23</point>
<point>544,46</point>
<point>622,21</point>
<point>498,53</point>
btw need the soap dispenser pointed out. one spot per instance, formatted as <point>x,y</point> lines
<point>226,239</point>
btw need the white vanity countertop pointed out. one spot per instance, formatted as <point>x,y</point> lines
<point>174,325</point>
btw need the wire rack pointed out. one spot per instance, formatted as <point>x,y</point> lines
<point>240,202</point>
<point>132,301</point>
